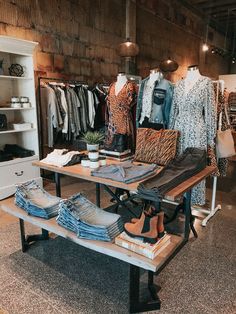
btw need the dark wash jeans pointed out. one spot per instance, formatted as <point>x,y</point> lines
<point>192,161</point>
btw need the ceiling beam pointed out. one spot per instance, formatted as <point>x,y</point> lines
<point>216,4</point>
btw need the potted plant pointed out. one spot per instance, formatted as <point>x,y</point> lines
<point>93,139</point>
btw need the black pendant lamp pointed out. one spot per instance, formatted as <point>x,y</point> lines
<point>168,65</point>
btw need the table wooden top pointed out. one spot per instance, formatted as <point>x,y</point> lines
<point>107,248</point>
<point>81,172</point>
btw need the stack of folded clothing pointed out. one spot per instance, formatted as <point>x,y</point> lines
<point>18,151</point>
<point>36,201</point>
<point>87,220</point>
<point>192,161</point>
<point>127,172</point>
<point>62,157</point>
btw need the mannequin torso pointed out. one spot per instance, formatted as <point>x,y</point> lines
<point>154,76</point>
<point>192,77</point>
<point>121,80</point>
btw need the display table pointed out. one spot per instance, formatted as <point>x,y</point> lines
<point>136,261</point>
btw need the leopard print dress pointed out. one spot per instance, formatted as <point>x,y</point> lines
<point>193,114</point>
<point>120,119</point>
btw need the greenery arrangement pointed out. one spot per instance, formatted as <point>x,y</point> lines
<point>93,137</point>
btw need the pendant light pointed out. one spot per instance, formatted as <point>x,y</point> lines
<point>128,49</point>
<point>168,65</point>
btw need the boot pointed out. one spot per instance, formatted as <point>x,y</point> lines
<point>160,223</point>
<point>121,143</point>
<point>145,228</point>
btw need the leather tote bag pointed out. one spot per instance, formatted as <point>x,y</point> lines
<point>154,146</point>
<point>224,139</point>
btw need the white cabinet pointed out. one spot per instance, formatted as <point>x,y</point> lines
<point>16,51</point>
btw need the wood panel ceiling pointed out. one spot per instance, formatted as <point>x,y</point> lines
<point>220,13</point>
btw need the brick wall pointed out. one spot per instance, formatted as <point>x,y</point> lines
<point>165,28</point>
<point>78,38</point>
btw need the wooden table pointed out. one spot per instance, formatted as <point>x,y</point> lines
<point>136,261</point>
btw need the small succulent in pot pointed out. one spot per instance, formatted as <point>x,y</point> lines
<point>93,139</point>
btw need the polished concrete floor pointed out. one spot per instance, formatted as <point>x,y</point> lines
<point>57,276</point>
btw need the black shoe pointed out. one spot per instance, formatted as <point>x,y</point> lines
<point>5,156</point>
<point>121,143</point>
<point>18,151</point>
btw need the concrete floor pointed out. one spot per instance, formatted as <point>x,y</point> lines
<point>57,276</point>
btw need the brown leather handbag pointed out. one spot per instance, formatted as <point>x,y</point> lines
<point>157,147</point>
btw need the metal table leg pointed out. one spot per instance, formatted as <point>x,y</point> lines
<point>189,219</point>
<point>26,240</point>
<point>58,184</point>
<point>135,305</point>
<point>98,194</point>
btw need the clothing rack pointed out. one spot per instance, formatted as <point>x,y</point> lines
<point>213,207</point>
<point>43,79</point>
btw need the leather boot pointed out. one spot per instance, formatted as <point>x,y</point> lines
<point>145,228</point>
<point>121,143</point>
<point>160,224</point>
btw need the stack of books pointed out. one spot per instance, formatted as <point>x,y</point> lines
<point>138,246</point>
<point>125,155</point>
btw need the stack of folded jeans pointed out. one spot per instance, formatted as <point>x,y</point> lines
<point>87,220</point>
<point>36,201</point>
<point>192,161</point>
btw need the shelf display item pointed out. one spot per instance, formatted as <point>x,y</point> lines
<point>192,161</point>
<point>22,126</point>
<point>85,162</point>
<point>193,114</point>
<point>3,122</point>
<point>154,146</point>
<point>63,157</point>
<point>121,98</point>
<point>36,201</point>
<point>23,137</point>
<point>16,105</point>
<point>127,172</point>
<point>24,99</point>
<point>154,101</point>
<point>87,220</point>
<point>16,70</point>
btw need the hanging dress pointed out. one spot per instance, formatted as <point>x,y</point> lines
<point>193,114</point>
<point>119,107</point>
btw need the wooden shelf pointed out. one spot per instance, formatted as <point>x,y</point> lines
<point>11,109</point>
<point>17,131</point>
<point>9,77</point>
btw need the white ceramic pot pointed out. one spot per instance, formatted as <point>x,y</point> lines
<point>94,164</point>
<point>93,155</point>
<point>102,161</point>
<point>92,147</point>
<point>85,162</point>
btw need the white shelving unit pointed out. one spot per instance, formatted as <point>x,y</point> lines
<point>18,170</point>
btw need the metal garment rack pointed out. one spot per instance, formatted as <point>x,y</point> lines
<point>43,79</point>
<point>213,208</point>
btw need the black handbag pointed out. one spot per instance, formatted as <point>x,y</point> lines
<point>3,122</point>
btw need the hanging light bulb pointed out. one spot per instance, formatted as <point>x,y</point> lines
<point>233,60</point>
<point>205,47</point>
